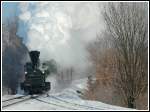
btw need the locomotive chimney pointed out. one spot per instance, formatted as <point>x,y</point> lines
<point>34,55</point>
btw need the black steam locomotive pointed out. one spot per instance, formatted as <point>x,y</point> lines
<point>34,82</point>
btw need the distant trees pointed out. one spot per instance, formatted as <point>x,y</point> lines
<point>101,54</point>
<point>13,54</point>
<point>127,24</point>
<point>65,75</point>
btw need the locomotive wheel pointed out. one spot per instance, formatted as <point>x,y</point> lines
<point>35,91</point>
<point>47,86</point>
<point>31,92</point>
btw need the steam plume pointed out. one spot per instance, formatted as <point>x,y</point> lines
<point>61,30</point>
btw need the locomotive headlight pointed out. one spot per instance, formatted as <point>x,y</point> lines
<point>25,72</point>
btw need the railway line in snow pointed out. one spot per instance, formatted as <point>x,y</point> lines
<point>56,104</point>
<point>12,98</point>
<point>15,100</point>
<point>53,101</point>
<point>78,106</point>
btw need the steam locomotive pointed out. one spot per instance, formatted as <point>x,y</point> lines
<point>35,79</point>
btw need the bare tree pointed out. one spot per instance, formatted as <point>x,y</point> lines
<point>101,55</point>
<point>128,24</point>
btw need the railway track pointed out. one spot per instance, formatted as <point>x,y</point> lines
<point>13,101</point>
<point>55,104</point>
<point>79,106</point>
<point>12,98</point>
<point>55,101</point>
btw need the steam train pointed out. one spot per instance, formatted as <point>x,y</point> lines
<point>35,79</point>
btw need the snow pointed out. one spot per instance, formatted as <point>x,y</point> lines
<point>68,99</point>
<point>6,97</point>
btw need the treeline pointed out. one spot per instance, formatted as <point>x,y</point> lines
<point>120,57</point>
<point>13,56</point>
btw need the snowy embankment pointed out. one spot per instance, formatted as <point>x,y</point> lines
<point>68,99</point>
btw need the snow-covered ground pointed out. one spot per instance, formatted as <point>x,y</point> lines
<point>68,99</point>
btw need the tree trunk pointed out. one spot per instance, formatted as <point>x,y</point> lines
<point>131,102</point>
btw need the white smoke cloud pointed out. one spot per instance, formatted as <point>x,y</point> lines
<point>25,16</point>
<point>61,30</point>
